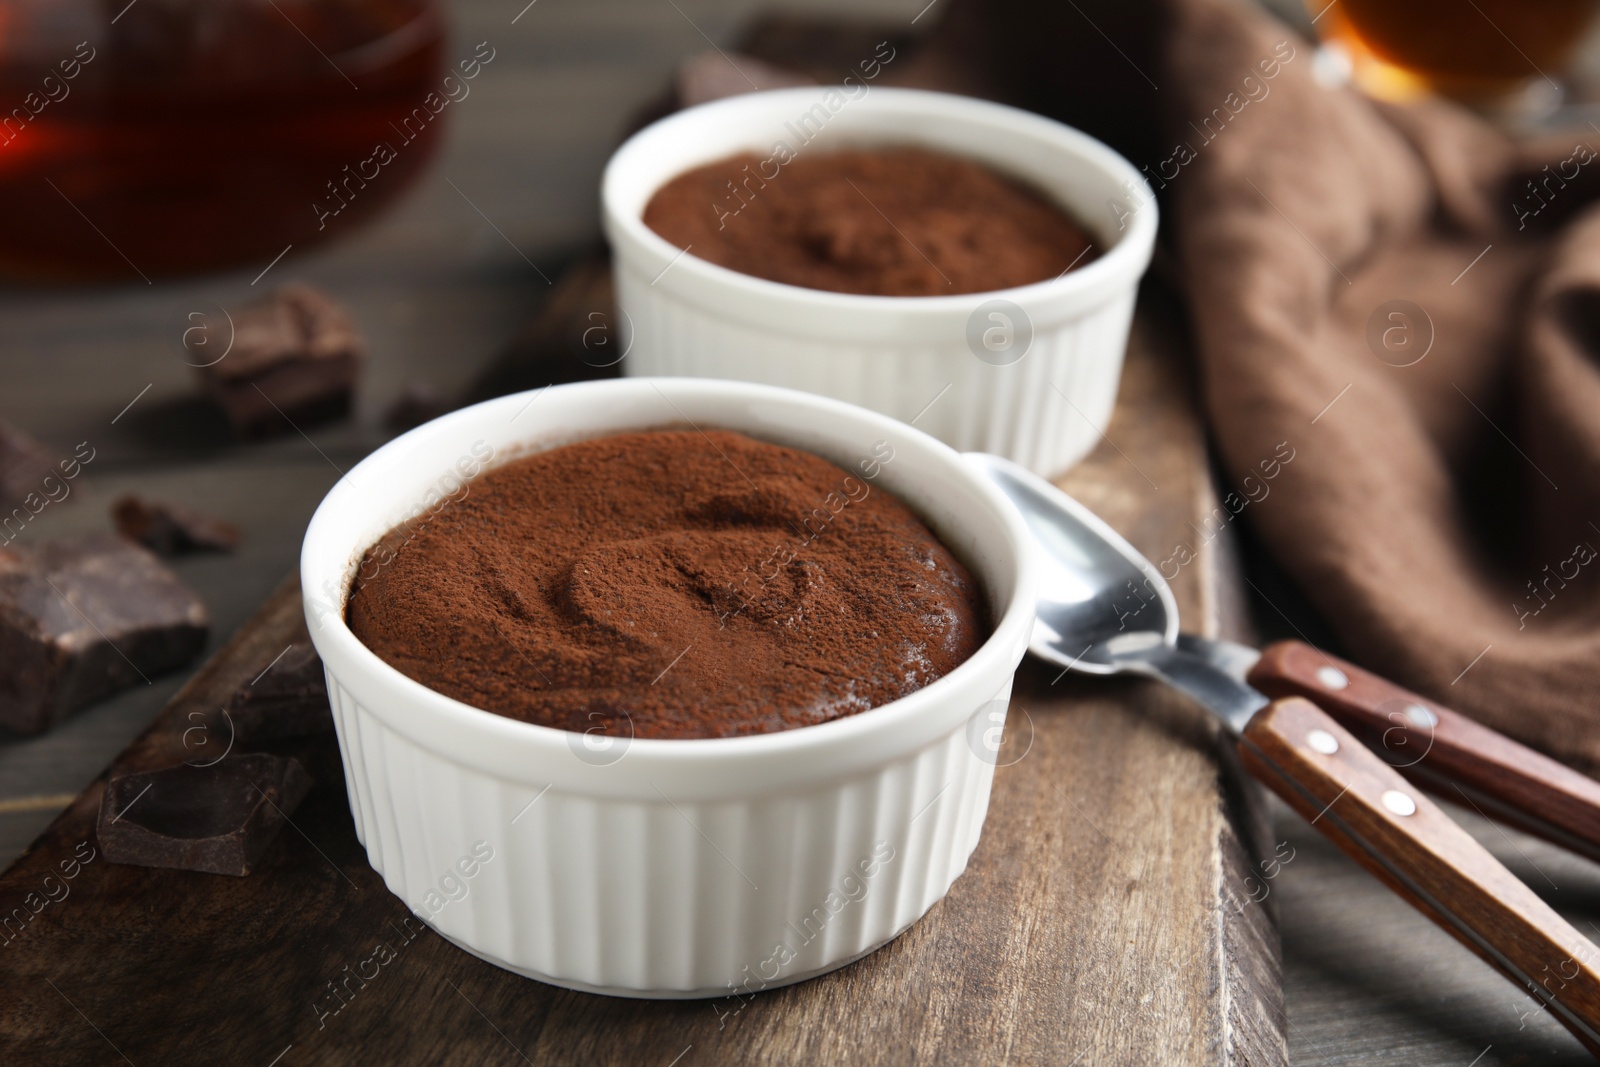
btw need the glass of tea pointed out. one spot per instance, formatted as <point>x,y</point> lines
<point>163,137</point>
<point>1495,54</point>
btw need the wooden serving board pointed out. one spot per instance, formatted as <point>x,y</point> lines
<point>1105,917</point>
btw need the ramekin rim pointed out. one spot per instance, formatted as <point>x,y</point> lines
<point>1127,257</point>
<point>1008,631</point>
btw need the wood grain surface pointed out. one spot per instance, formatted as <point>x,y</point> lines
<point>1103,919</point>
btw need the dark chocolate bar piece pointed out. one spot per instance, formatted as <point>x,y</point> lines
<point>288,698</point>
<point>169,529</point>
<point>218,818</point>
<point>417,403</point>
<point>83,617</point>
<point>708,76</point>
<point>293,361</point>
<point>576,336</point>
<point>24,465</point>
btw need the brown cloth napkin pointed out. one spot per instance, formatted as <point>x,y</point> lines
<point>1442,515</point>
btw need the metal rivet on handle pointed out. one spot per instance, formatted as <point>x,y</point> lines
<point>1323,742</point>
<point>1418,715</point>
<point>1332,677</point>
<point>1398,802</point>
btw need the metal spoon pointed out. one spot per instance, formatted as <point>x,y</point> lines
<point>1103,609</point>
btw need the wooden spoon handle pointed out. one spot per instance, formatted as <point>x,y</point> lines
<point>1386,825</point>
<point>1441,750</point>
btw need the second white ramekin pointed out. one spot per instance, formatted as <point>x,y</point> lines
<point>915,358</point>
<point>666,868</point>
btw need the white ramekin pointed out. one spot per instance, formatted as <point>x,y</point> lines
<point>666,868</point>
<point>1042,404</point>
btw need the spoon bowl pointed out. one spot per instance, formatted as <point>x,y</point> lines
<point>1103,608</point>
<point>1098,597</point>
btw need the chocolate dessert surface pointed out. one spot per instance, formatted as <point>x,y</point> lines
<point>669,584</point>
<point>887,222</point>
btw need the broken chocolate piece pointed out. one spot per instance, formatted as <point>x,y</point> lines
<point>417,403</point>
<point>709,76</point>
<point>289,698</point>
<point>218,819</point>
<point>172,529</point>
<point>24,465</point>
<point>574,337</point>
<point>293,362</point>
<point>83,617</point>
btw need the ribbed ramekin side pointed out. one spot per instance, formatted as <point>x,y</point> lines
<point>344,726</point>
<point>662,897</point>
<point>1045,411</point>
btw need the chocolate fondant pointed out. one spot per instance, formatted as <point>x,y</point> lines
<point>670,584</point>
<point>887,222</point>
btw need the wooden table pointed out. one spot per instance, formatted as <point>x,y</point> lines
<point>438,288</point>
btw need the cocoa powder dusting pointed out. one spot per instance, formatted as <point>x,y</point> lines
<point>669,584</point>
<point>892,222</point>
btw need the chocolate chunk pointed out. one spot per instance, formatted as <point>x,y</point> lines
<point>24,465</point>
<point>417,403</point>
<point>575,336</point>
<point>712,75</point>
<point>288,698</point>
<point>293,362</point>
<point>83,617</point>
<point>218,819</point>
<point>172,529</point>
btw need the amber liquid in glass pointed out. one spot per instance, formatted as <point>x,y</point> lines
<point>1477,51</point>
<point>197,134</point>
